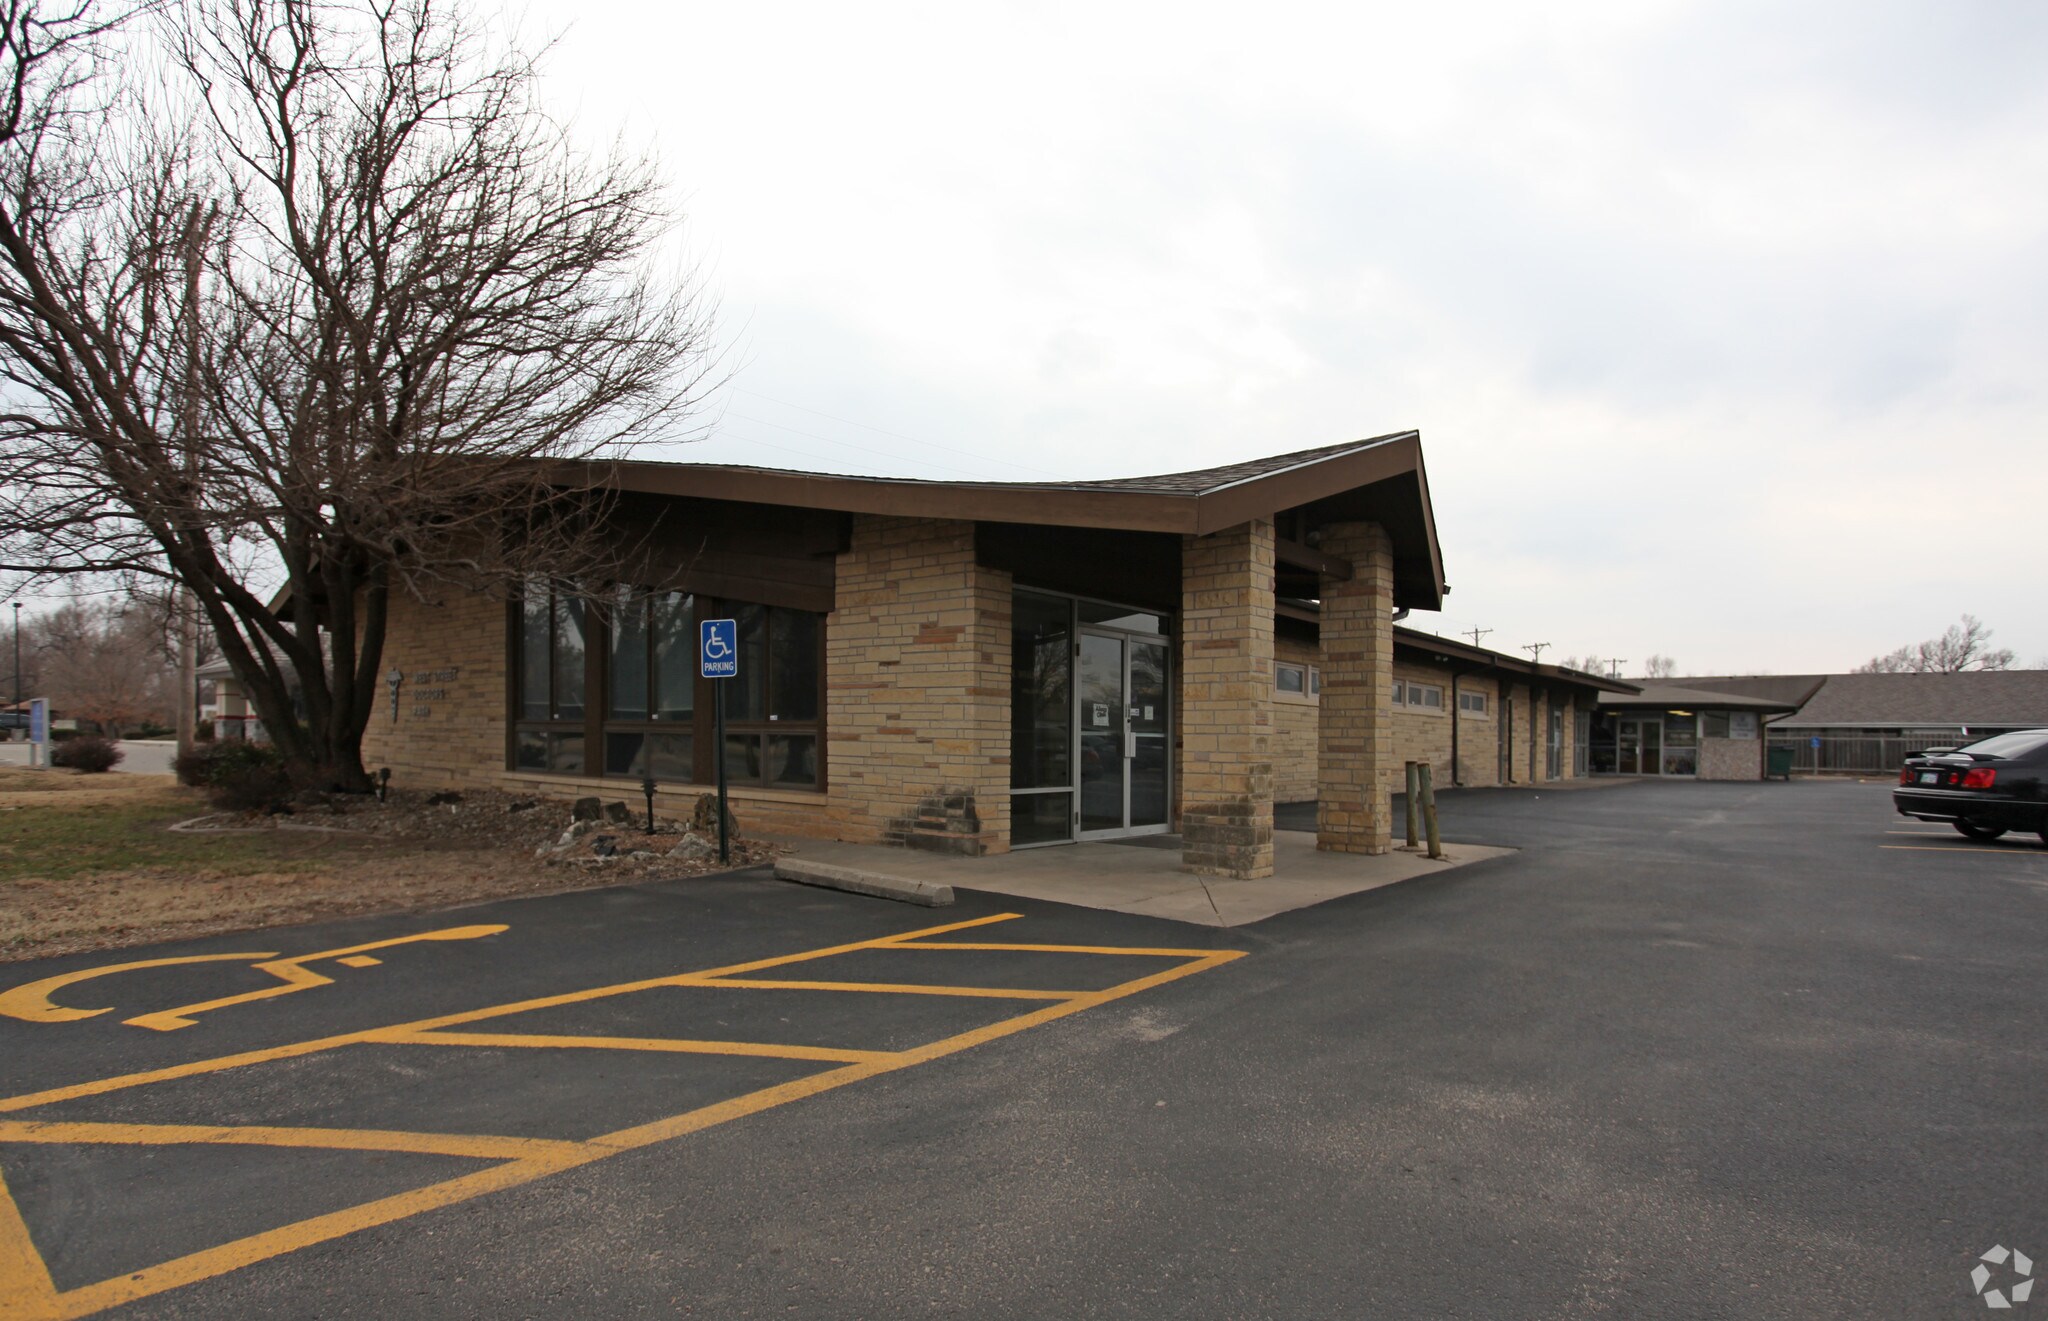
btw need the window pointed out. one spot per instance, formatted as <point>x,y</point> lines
<point>652,688</point>
<point>1419,696</point>
<point>1291,679</point>
<point>1400,693</point>
<point>1315,681</point>
<point>771,710</point>
<point>550,735</point>
<point>631,653</point>
<point>1472,703</point>
<point>1714,724</point>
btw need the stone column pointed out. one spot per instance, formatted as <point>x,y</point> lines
<point>917,690</point>
<point>1355,744</point>
<point>1226,685</point>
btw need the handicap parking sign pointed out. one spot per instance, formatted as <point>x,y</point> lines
<point>721,649</point>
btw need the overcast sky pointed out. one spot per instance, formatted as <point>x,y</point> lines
<point>1725,325</point>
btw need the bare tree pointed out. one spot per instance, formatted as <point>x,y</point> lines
<point>104,663</point>
<point>1965,646</point>
<point>1660,667</point>
<point>420,328</point>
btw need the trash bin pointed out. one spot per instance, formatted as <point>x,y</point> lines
<point>1780,764</point>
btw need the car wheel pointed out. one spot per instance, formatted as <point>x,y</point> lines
<point>1975,831</point>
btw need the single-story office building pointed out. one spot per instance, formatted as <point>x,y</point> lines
<point>1686,733</point>
<point>1480,718</point>
<point>1870,723</point>
<point>966,666</point>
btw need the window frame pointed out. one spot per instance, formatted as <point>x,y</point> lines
<point>596,723</point>
<point>1484,709</point>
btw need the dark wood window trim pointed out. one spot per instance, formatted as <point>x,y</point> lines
<point>595,721</point>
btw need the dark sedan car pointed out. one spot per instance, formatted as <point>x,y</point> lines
<point>1982,789</point>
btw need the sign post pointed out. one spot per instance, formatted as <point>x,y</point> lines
<point>719,658</point>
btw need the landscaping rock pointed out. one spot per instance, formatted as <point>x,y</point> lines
<point>692,847</point>
<point>618,814</point>
<point>587,809</point>
<point>604,846</point>
<point>444,798</point>
<point>704,820</point>
<point>522,805</point>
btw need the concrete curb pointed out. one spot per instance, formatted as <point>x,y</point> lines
<point>863,882</point>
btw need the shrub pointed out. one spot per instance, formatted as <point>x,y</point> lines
<point>238,776</point>
<point>86,752</point>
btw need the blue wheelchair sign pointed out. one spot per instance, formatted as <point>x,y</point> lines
<point>720,658</point>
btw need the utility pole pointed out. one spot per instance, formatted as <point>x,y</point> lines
<point>184,607</point>
<point>1535,650</point>
<point>17,667</point>
<point>1477,633</point>
<point>1617,662</point>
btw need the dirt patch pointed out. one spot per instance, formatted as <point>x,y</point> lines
<point>99,866</point>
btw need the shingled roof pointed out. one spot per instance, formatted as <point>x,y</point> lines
<point>1666,696</point>
<point>1972,698</point>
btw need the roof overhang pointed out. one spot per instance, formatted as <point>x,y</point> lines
<point>1378,480</point>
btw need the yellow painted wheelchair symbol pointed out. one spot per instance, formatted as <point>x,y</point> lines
<point>31,1003</point>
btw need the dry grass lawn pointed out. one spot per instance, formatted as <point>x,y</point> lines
<point>89,862</point>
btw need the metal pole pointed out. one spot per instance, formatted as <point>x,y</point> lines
<point>1411,804</point>
<point>1436,843</point>
<point>18,715</point>
<point>724,844</point>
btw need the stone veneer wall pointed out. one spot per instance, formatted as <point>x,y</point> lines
<point>1294,727</point>
<point>450,727</point>
<point>450,731</point>
<point>1354,748</point>
<point>1731,759</point>
<point>1226,680</point>
<point>917,689</point>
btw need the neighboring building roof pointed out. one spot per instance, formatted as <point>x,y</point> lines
<point>1794,688</point>
<point>1667,696</point>
<point>1974,697</point>
<point>1445,651</point>
<point>1377,480</point>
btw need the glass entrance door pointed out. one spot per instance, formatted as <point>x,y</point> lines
<point>1641,746</point>
<point>1126,751</point>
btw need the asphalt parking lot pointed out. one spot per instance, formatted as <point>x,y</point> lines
<point>1696,1050</point>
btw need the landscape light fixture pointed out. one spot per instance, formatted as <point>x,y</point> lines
<point>383,782</point>
<point>647,787</point>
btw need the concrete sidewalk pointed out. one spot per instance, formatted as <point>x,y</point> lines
<point>1144,876</point>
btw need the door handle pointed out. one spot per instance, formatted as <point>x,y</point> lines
<point>1130,744</point>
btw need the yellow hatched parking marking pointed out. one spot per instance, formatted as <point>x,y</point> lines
<point>880,988</point>
<point>674,1045</point>
<point>27,1292</point>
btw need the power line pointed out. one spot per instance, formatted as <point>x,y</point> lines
<point>1535,650</point>
<point>1617,662</point>
<point>1476,634</point>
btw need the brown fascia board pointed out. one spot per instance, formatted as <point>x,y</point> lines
<point>987,502</point>
<point>1079,505</point>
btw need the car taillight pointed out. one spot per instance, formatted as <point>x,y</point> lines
<point>1905,775</point>
<point>1981,778</point>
